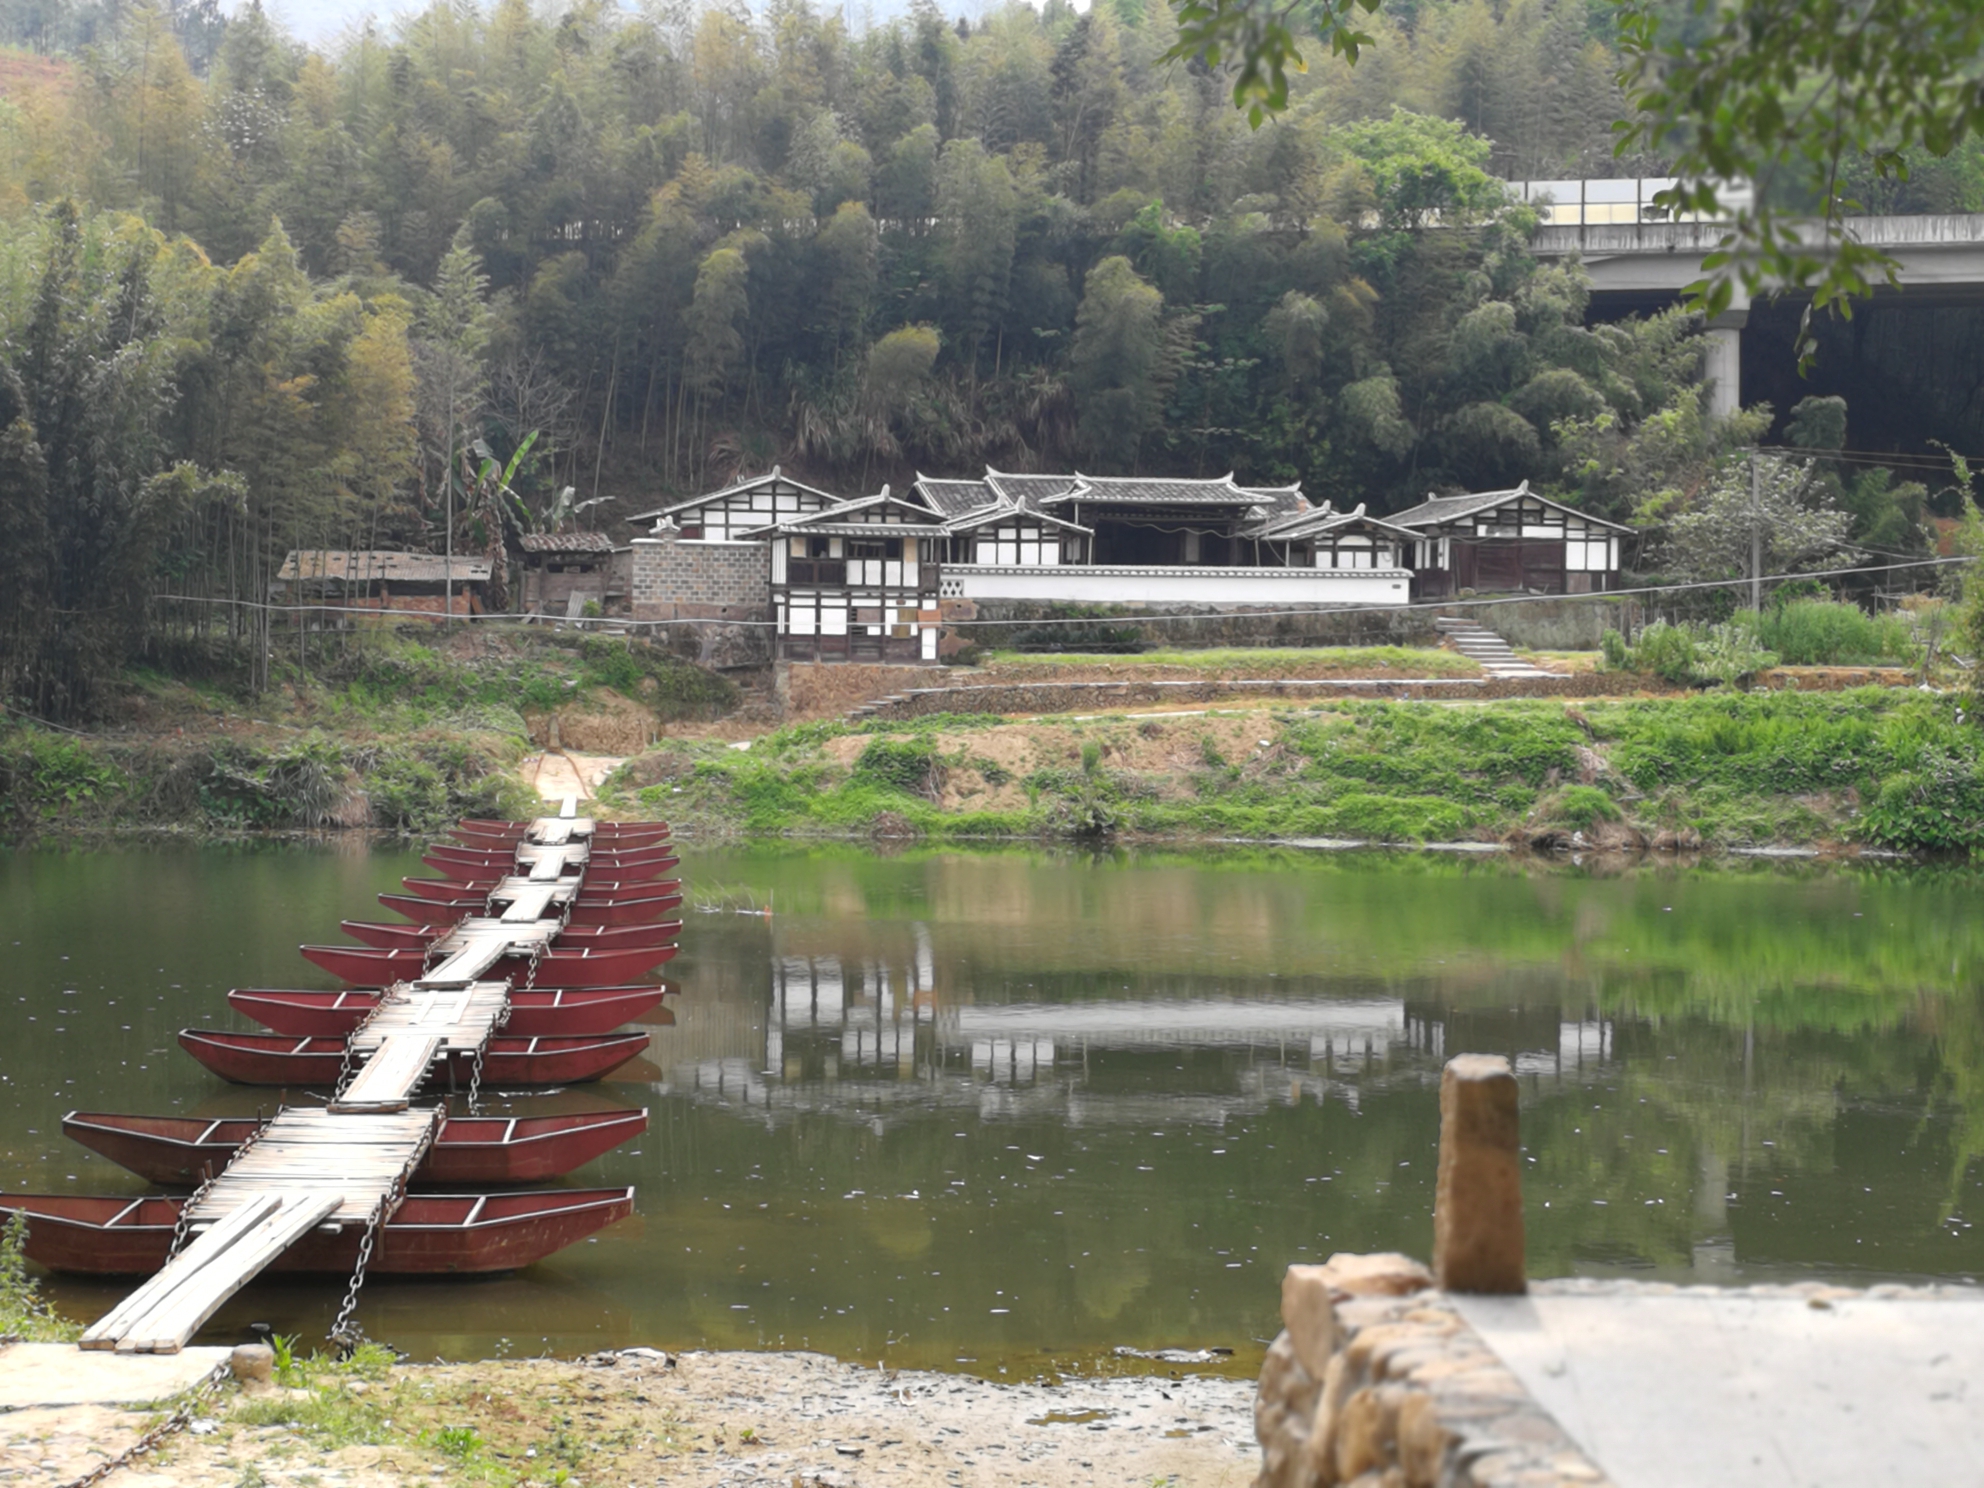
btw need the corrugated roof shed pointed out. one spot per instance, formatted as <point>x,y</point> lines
<point>368,567</point>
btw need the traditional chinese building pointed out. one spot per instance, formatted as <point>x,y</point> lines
<point>1509,541</point>
<point>868,579</point>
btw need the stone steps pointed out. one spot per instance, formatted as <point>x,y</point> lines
<point>1488,650</point>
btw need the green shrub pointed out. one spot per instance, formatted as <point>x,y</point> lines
<point>1581,807</point>
<point>910,766</point>
<point>1819,632</point>
<point>1618,656</point>
<point>1939,804</point>
<point>408,795</point>
<point>24,1312</point>
<point>1667,651</point>
<point>1730,654</point>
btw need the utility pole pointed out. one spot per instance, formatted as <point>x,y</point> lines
<point>1756,540</point>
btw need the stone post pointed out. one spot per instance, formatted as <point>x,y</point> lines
<point>1477,1202</point>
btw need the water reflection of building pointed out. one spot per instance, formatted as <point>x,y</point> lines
<point>879,1027</point>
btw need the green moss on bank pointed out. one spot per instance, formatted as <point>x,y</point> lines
<point>1881,767</point>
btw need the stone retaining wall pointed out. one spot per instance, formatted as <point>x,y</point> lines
<point>1197,626</point>
<point>812,689</point>
<point>1554,624</point>
<point>1066,697</point>
<point>1377,1381</point>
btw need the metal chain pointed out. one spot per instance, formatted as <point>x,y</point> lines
<point>179,1225</point>
<point>345,1331</point>
<point>475,1078</point>
<point>178,1421</point>
<point>179,1228</point>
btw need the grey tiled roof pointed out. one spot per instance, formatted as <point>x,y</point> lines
<point>565,542</point>
<point>373,566</point>
<point>648,518</point>
<point>1322,522</point>
<point>1140,490</point>
<point>1437,511</point>
<point>1030,490</point>
<point>952,497</point>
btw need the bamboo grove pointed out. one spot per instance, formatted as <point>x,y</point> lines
<point>257,295</point>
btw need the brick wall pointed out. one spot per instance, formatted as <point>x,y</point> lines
<point>676,580</point>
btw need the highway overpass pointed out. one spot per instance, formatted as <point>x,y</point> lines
<point>1638,261</point>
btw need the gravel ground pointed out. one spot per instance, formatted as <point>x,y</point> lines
<point>713,1420</point>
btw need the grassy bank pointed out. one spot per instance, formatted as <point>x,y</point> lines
<point>400,732</point>
<point>1885,768</point>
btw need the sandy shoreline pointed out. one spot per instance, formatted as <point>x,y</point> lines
<point>713,1420</point>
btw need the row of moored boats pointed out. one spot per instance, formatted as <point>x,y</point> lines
<point>607,918</point>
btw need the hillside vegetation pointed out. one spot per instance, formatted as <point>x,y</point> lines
<point>400,733</point>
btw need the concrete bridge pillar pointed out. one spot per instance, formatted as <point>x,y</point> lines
<point>1724,369</point>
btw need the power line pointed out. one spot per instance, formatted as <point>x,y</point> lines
<point>1412,606</point>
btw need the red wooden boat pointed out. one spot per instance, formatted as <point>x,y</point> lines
<point>502,865</point>
<point>593,890</point>
<point>585,910</point>
<point>285,1059</point>
<point>484,876</point>
<point>366,966</point>
<point>602,832</point>
<point>432,1234</point>
<point>535,1012</point>
<point>598,858</point>
<point>470,1149</point>
<point>390,936</point>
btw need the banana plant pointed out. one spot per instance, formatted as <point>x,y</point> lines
<point>494,488</point>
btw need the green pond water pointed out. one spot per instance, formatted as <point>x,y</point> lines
<point>1021,1110</point>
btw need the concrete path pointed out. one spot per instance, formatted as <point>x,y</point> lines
<point>557,773</point>
<point>1698,1388</point>
<point>57,1374</point>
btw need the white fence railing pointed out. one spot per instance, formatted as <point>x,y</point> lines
<point>1626,200</point>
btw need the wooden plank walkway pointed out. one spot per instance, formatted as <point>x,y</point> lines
<point>544,864</point>
<point>461,1018</point>
<point>305,1168</point>
<point>304,1148</point>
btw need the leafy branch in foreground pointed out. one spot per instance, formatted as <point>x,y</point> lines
<point>1261,42</point>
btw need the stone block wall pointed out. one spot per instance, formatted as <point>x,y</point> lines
<point>676,580</point>
<point>723,589</point>
<point>1377,1381</point>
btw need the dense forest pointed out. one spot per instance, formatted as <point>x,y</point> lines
<point>256,296</point>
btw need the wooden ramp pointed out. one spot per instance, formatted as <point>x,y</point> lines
<point>304,1169</point>
<point>415,1024</point>
<point>547,863</point>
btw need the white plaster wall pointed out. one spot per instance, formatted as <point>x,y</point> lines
<point>1229,586</point>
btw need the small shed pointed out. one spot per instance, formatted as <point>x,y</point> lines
<point>330,580</point>
<point>565,571</point>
